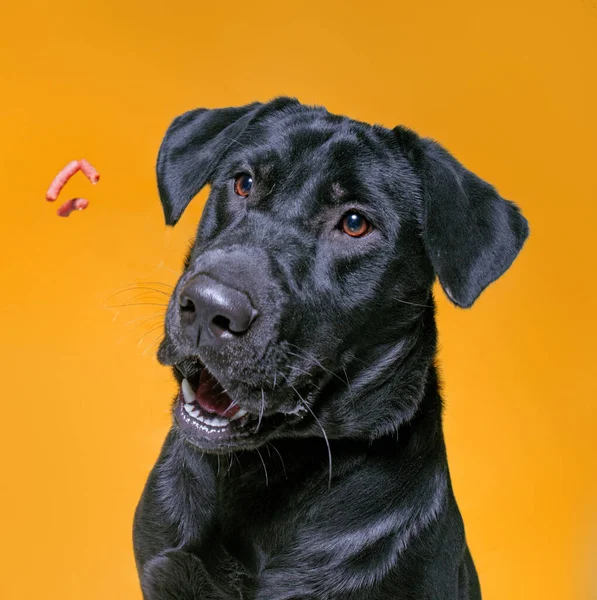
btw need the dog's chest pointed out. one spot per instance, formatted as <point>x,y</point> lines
<point>256,522</point>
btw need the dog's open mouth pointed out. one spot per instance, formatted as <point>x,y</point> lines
<point>212,419</point>
<point>205,409</point>
<point>209,402</point>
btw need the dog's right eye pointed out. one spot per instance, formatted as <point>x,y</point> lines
<point>243,184</point>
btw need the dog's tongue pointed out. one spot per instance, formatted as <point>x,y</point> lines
<point>212,398</point>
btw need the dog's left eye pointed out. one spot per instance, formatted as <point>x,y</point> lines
<point>354,224</point>
<point>243,184</point>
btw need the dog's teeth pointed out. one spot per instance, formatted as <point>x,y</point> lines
<point>192,410</point>
<point>216,421</point>
<point>187,392</point>
<point>241,413</point>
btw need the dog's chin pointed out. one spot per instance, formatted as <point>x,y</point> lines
<point>215,420</point>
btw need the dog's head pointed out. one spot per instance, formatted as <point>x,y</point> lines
<point>309,282</point>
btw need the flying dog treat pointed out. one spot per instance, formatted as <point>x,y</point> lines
<point>74,204</point>
<point>63,177</point>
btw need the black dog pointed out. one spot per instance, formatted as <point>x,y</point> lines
<point>307,459</point>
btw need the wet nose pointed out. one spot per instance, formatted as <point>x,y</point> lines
<point>212,313</point>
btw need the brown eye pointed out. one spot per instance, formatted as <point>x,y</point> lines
<point>354,224</point>
<point>243,184</point>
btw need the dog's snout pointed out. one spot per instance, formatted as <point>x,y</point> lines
<point>212,313</point>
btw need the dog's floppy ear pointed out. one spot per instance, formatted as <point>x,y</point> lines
<point>194,144</point>
<point>470,232</point>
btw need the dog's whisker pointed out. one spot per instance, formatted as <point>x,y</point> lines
<point>141,296</point>
<point>261,410</point>
<point>148,282</point>
<point>136,304</point>
<point>308,356</point>
<point>264,468</point>
<point>156,316</point>
<point>411,303</point>
<point>347,380</point>
<point>163,266</point>
<point>233,404</point>
<point>235,141</point>
<point>270,192</point>
<point>152,348</point>
<point>281,459</point>
<point>240,465</point>
<point>350,393</point>
<point>162,283</point>
<point>144,296</point>
<point>144,287</point>
<point>153,345</point>
<point>142,319</point>
<point>134,288</point>
<point>295,368</point>
<point>154,328</point>
<point>150,331</point>
<point>325,437</point>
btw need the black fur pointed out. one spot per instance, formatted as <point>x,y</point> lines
<point>342,489</point>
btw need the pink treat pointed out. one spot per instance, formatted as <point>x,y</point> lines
<point>89,171</point>
<point>74,204</point>
<point>61,180</point>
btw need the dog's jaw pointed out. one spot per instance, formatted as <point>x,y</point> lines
<point>213,421</point>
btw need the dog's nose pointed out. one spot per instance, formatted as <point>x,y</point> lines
<point>212,313</point>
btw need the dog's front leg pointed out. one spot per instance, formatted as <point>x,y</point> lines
<point>178,575</point>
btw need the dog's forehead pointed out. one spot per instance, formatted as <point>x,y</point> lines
<point>315,148</point>
<point>314,134</point>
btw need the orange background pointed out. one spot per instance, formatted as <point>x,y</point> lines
<point>508,86</point>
